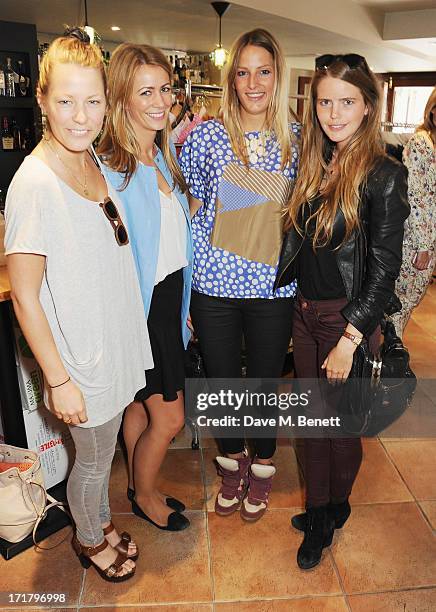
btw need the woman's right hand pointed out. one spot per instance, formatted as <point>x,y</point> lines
<point>68,404</point>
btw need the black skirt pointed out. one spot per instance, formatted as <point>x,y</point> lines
<point>167,377</point>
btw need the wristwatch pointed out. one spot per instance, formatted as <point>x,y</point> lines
<point>354,339</point>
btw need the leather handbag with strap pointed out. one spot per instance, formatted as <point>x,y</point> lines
<point>379,388</point>
<point>23,497</point>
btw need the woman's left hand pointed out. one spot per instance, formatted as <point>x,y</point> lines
<point>339,361</point>
<point>421,260</point>
<point>189,324</point>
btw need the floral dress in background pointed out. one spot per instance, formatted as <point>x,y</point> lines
<point>420,228</point>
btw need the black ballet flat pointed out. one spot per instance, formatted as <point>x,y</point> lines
<point>176,521</point>
<point>171,502</point>
<point>175,504</point>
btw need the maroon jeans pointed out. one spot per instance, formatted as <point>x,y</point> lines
<point>331,465</point>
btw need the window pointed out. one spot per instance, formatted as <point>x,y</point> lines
<point>409,105</point>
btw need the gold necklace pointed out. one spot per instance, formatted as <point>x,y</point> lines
<point>83,186</point>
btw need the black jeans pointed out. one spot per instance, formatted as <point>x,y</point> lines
<point>266,325</point>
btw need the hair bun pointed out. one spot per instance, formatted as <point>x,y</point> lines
<point>77,32</point>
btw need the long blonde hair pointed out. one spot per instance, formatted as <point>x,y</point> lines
<point>278,113</point>
<point>119,143</point>
<point>429,118</point>
<point>354,161</point>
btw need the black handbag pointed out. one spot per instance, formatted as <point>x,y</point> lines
<point>379,388</point>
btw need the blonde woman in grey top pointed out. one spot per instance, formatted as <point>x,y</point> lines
<point>75,291</point>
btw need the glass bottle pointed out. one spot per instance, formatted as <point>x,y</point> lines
<point>16,134</point>
<point>9,79</point>
<point>2,82</point>
<point>26,139</point>
<point>7,137</point>
<point>23,80</point>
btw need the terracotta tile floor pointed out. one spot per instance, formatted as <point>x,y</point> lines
<point>384,560</point>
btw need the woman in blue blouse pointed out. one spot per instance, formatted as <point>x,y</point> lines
<point>141,164</point>
<point>240,171</point>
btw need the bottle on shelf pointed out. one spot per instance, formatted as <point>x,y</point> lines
<point>26,139</point>
<point>23,80</point>
<point>9,79</point>
<point>2,81</point>
<point>7,137</point>
<point>16,134</point>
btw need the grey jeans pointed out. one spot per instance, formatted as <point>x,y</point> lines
<point>88,484</point>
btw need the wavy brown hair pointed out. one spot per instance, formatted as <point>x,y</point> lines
<point>429,118</point>
<point>118,143</point>
<point>278,112</point>
<point>354,161</point>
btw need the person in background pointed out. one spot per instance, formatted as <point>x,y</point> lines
<point>240,172</point>
<point>346,217</point>
<point>75,291</point>
<point>420,229</point>
<point>141,165</point>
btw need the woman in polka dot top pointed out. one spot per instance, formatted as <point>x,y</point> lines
<point>240,170</point>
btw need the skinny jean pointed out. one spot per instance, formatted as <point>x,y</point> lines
<point>88,484</point>
<point>265,325</point>
<point>331,465</point>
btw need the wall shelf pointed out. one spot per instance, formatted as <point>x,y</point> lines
<point>19,41</point>
<point>11,103</point>
<point>14,154</point>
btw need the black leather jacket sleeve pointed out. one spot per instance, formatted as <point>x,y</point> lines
<point>386,210</point>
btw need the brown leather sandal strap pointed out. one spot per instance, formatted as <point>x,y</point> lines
<point>90,551</point>
<point>125,537</point>
<point>115,567</point>
<point>107,530</point>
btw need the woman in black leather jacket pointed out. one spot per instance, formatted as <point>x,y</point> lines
<point>344,244</point>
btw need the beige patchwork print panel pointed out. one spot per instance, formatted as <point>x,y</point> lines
<point>248,215</point>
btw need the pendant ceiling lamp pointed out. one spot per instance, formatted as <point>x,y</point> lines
<point>88,29</point>
<point>219,55</point>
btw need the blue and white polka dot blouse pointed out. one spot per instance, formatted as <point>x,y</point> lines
<point>232,256</point>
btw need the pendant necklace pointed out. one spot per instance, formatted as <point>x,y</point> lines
<point>257,147</point>
<point>84,185</point>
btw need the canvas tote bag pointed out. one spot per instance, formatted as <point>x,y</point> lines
<point>23,497</point>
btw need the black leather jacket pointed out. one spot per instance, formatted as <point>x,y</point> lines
<point>369,261</point>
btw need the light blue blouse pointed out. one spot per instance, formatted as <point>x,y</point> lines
<point>143,215</point>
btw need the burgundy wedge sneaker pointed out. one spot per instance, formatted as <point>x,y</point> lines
<point>234,485</point>
<point>260,479</point>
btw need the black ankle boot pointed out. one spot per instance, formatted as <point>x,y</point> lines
<point>318,534</point>
<point>338,512</point>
